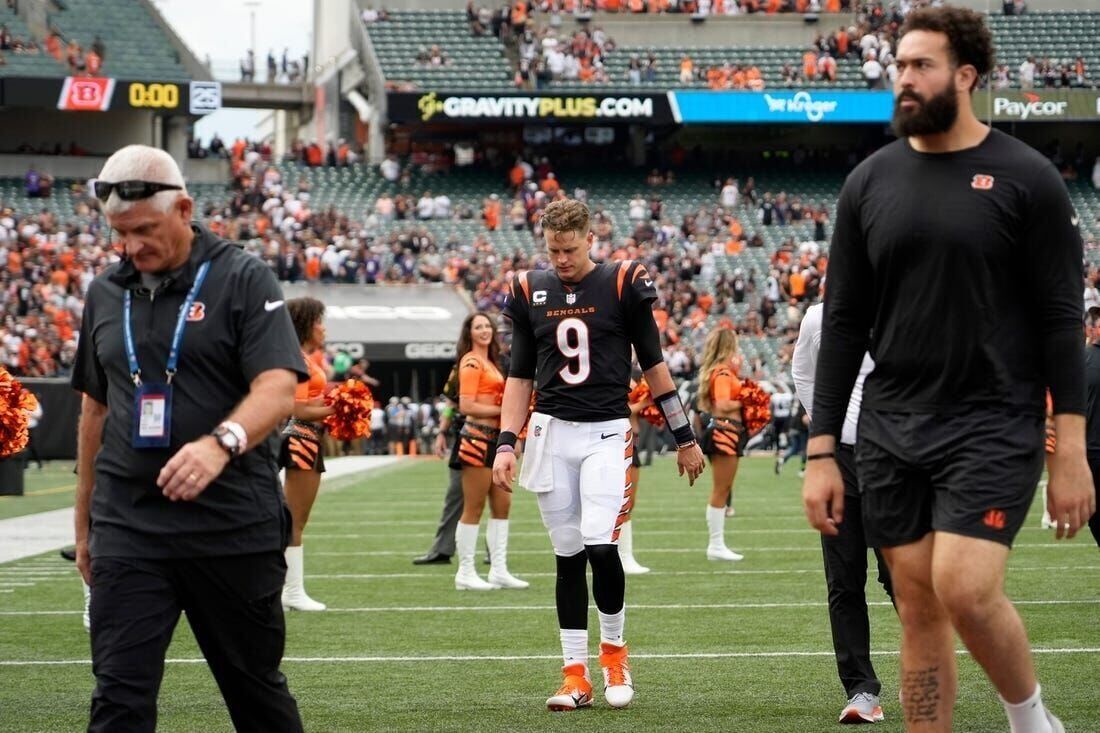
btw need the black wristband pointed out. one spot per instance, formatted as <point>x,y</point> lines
<point>820,456</point>
<point>676,418</point>
<point>507,438</point>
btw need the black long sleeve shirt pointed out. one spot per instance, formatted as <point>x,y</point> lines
<point>961,273</point>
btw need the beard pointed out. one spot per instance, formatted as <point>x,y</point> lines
<point>932,116</point>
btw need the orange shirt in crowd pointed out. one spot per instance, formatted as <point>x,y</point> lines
<point>315,386</point>
<point>313,268</point>
<point>734,246</point>
<point>492,215</point>
<point>479,379</point>
<point>842,42</point>
<point>832,6</point>
<point>515,176</point>
<point>809,65</point>
<point>797,284</point>
<point>705,301</point>
<point>519,12</point>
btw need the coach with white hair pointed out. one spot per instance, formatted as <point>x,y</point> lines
<point>187,359</point>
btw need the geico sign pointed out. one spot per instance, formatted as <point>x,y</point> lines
<point>353,349</point>
<point>430,351</point>
<point>534,107</point>
<point>1033,107</point>
<point>387,313</point>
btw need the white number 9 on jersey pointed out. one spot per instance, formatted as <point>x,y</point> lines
<point>579,365</point>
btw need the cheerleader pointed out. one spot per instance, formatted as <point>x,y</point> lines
<point>724,434</point>
<point>300,452</point>
<point>480,391</point>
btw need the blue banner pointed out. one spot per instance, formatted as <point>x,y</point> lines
<point>786,106</point>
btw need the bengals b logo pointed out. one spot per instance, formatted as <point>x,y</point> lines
<point>982,182</point>
<point>197,313</point>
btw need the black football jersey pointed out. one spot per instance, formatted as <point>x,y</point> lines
<point>582,335</point>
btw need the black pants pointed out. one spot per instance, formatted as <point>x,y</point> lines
<point>846,577</point>
<point>1094,521</point>
<point>453,503</point>
<point>234,607</point>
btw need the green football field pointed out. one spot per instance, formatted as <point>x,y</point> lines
<point>715,647</point>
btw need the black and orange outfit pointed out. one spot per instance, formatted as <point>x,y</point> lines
<point>301,446</point>
<point>724,436</point>
<point>477,442</point>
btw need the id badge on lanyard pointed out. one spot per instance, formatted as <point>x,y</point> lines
<point>152,419</point>
<point>152,415</point>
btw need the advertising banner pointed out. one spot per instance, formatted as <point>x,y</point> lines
<point>782,106</point>
<point>1039,105</point>
<point>389,322</point>
<point>434,107</point>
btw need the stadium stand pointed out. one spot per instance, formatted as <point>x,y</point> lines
<point>475,62</point>
<point>1060,36</point>
<point>133,44</point>
<point>137,48</point>
<point>18,61</point>
<point>298,217</point>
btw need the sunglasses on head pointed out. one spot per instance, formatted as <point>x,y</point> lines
<point>132,190</point>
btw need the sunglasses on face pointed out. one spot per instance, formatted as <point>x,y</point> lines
<point>132,190</point>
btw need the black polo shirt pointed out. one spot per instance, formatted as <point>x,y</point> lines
<point>239,327</point>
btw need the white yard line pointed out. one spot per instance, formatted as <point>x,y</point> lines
<point>527,657</point>
<point>631,606</point>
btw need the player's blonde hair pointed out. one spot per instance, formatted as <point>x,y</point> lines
<point>567,215</point>
<point>720,348</point>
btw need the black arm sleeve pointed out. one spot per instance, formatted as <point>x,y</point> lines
<point>88,375</point>
<point>849,308</point>
<point>524,354</point>
<point>645,336</point>
<point>1054,244</point>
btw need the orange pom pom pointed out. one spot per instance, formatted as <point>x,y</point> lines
<point>353,403</point>
<point>16,405</point>
<point>650,413</point>
<point>755,406</point>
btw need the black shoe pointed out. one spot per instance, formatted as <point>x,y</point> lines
<point>433,558</point>
<point>69,553</point>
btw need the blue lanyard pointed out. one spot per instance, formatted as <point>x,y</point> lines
<point>177,337</point>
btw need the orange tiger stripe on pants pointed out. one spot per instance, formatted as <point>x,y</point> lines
<point>628,491</point>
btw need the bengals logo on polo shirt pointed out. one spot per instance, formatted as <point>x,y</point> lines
<point>197,312</point>
<point>982,182</point>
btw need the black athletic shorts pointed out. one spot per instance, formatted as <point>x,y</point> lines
<point>723,437</point>
<point>300,447</point>
<point>477,446</point>
<point>972,473</point>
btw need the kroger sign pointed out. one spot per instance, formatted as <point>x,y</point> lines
<point>809,107</point>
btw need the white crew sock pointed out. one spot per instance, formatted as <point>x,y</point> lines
<point>611,626</point>
<point>1028,716</point>
<point>574,647</point>
<point>716,525</point>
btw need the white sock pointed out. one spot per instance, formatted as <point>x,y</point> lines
<point>574,647</point>
<point>716,525</point>
<point>611,626</point>
<point>1028,716</point>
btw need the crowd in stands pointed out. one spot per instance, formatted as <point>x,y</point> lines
<point>48,263</point>
<point>698,8</point>
<point>547,54</point>
<point>80,61</point>
<point>1044,73</point>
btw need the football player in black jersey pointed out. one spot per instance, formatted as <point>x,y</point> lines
<point>572,332</point>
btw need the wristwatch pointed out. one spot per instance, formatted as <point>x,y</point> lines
<point>231,437</point>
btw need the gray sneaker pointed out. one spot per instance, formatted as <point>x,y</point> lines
<point>862,708</point>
